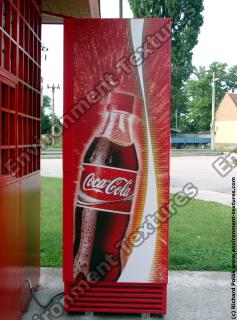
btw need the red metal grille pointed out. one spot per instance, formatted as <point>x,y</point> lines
<point>116,298</point>
<point>8,128</point>
<point>20,48</point>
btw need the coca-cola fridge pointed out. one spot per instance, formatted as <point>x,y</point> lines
<point>116,139</point>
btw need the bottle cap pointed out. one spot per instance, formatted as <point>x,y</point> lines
<point>121,101</point>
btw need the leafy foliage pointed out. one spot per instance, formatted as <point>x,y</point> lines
<point>198,92</point>
<point>45,117</point>
<point>187,20</point>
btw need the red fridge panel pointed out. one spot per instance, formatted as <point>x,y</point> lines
<point>30,235</point>
<point>116,164</point>
<point>10,251</point>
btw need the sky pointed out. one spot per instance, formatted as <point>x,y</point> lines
<point>216,42</point>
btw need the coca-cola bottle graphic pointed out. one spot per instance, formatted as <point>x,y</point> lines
<point>105,192</point>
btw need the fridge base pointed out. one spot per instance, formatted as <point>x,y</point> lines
<point>124,298</point>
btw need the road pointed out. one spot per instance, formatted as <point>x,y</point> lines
<point>51,168</point>
<point>197,170</point>
<point>200,172</point>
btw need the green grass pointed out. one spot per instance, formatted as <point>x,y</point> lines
<point>200,233</point>
<point>51,222</point>
<point>200,237</point>
<point>57,143</point>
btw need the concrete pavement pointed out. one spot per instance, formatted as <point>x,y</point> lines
<point>191,296</point>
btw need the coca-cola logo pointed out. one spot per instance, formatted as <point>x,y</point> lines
<point>118,186</point>
<point>106,188</point>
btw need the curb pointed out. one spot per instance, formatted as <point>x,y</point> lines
<point>207,195</point>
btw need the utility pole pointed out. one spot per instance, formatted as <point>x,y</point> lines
<point>53,88</point>
<point>120,8</point>
<point>176,119</point>
<point>214,79</point>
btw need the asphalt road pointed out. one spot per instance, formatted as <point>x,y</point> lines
<point>198,170</point>
<point>51,168</point>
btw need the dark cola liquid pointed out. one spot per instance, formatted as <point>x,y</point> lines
<point>110,227</point>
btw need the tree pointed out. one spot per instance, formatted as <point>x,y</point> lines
<point>231,80</point>
<point>199,92</point>
<point>46,118</point>
<point>45,115</point>
<point>186,23</point>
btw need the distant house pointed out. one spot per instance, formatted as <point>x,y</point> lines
<point>226,122</point>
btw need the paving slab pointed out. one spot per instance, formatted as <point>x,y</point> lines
<point>191,296</point>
